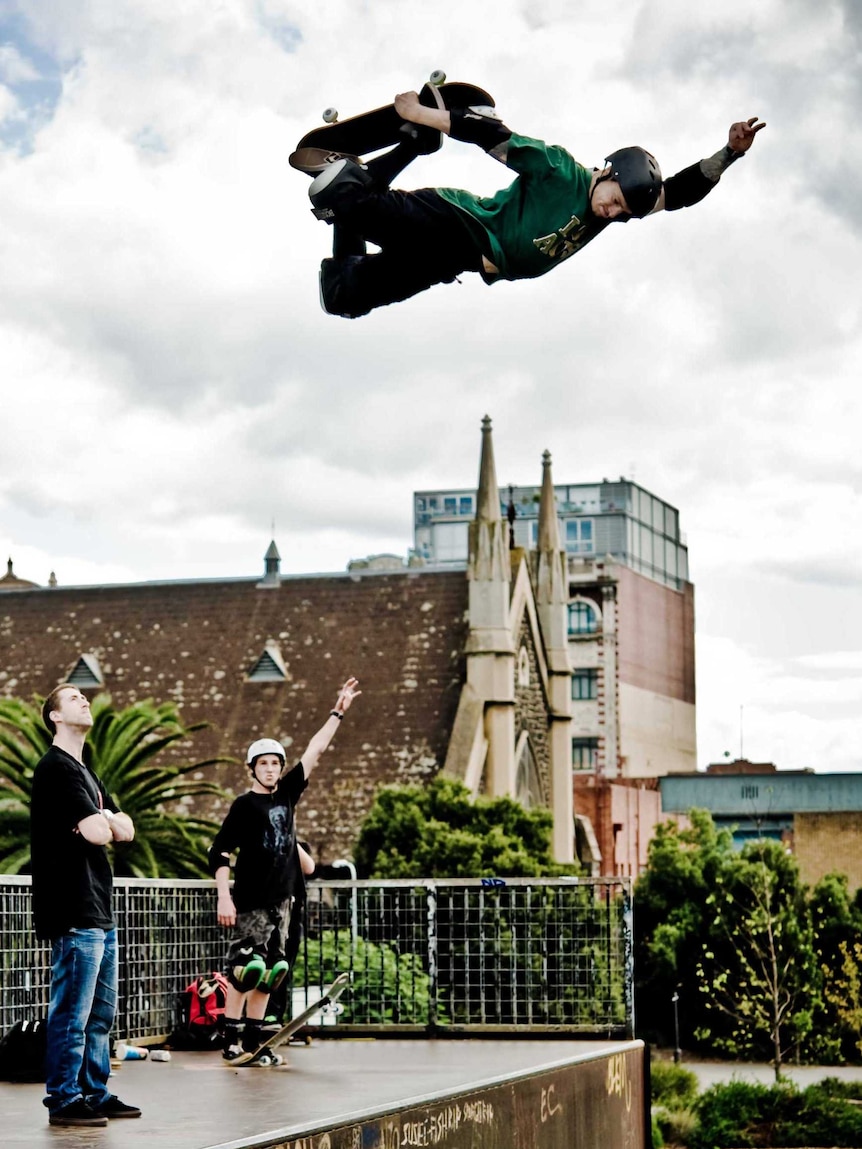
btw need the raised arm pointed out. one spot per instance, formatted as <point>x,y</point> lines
<point>408,108</point>
<point>327,731</point>
<point>480,126</point>
<point>692,184</point>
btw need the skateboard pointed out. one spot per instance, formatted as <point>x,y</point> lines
<point>326,1000</point>
<point>382,128</point>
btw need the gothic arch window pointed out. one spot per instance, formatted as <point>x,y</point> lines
<point>528,780</point>
<point>523,667</point>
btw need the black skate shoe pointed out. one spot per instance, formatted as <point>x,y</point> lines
<point>340,183</point>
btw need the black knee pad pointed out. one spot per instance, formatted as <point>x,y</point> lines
<point>246,967</point>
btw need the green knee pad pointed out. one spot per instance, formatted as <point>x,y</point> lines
<point>250,975</point>
<point>273,978</point>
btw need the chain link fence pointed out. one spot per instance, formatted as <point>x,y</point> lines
<point>461,956</point>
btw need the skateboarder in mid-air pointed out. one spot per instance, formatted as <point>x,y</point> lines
<point>269,884</point>
<point>552,209</point>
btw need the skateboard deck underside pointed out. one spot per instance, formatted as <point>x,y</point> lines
<point>371,131</point>
<point>330,995</point>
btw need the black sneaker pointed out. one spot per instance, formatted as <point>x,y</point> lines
<point>338,184</point>
<point>78,1113</point>
<point>114,1107</point>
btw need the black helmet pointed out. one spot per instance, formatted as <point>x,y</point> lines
<point>639,176</point>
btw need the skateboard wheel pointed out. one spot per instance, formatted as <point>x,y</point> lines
<point>330,115</point>
<point>437,77</point>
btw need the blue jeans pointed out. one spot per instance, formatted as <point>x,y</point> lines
<point>80,1015</point>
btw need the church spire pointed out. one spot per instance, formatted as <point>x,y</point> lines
<point>550,569</point>
<point>550,576</point>
<point>271,567</point>
<point>488,566</point>
<point>489,560</point>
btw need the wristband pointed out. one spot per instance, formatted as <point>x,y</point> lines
<point>109,814</point>
<point>336,714</point>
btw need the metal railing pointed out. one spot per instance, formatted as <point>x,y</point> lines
<point>460,956</point>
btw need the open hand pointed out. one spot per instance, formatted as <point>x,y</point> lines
<point>346,695</point>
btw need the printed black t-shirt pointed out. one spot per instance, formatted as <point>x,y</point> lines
<point>260,830</point>
<point>72,879</point>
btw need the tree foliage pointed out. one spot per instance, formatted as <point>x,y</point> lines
<point>126,749</point>
<point>837,924</point>
<point>439,831</point>
<point>762,965</point>
<point>757,967</point>
<point>670,922</point>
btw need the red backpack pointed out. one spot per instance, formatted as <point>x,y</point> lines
<point>201,1006</point>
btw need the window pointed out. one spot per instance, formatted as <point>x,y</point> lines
<point>583,618</point>
<point>579,537</point>
<point>465,505</point>
<point>523,667</point>
<point>269,667</point>
<point>86,672</point>
<point>585,685</point>
<point>585,753</point>
<point>450,542</point>
<point>450,505</point>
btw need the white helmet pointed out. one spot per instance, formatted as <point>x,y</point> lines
<point>264,746</point>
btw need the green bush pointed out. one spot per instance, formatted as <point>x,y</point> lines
<point>750,1116</point>
<point>677,1126</point>
<point>835,1087</point>
<point>671,1085</point>
<point>657,1139</point>
<point>737,1114</point>
<point>386,986</point>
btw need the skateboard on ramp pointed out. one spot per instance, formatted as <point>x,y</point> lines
<point>266,1053</point>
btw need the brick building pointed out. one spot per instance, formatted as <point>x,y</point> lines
<point>465,669</point>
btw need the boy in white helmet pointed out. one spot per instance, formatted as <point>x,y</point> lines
<point>269,879</point>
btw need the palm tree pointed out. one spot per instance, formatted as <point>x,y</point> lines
<point>123,747</point>
<point>23,741</point>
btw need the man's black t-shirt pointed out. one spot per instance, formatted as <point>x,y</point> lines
<point>72,879</point>
<point>260,829</point>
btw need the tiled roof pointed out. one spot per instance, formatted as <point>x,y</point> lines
<point>401,634</point>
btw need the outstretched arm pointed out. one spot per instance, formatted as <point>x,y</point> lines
<point>692,184</point>
<point>327,731</point>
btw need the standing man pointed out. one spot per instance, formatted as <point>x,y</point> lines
<point>72,820</point>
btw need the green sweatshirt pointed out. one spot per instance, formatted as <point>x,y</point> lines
<point>540,219</point>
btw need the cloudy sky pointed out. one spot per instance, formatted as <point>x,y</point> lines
<point>170,386</point>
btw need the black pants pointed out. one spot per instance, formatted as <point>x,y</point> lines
<point>423,240</point>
